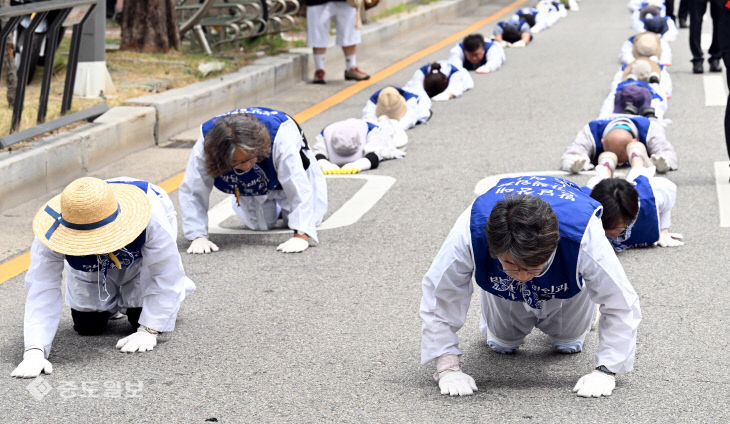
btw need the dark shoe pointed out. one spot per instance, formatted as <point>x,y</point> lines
<point>683,23</point>
<point>356,74</point>
<point>715,66</point>
<point>697,68</point>
<point>648,112</point>
<point>630,109</point>
<point>319,77</point>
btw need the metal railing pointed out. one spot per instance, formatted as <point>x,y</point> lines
<point>213,23</point>
<point>61,14</point>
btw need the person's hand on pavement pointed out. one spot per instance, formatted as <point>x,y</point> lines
<point>362,164</point>
<point>34,362</point>
<point>666,239</point>
<point>295,244</point>
<point>141,341</point>
<point>202,245</point>
<point>484,69</point>
<point>442,97</point>
<point>577,165</point>
<point>595,384</point>
<point>327,167</point>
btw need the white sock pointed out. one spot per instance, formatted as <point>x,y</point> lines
<point>603,171</point>
<point>318,61</point>
<point>350,62</point>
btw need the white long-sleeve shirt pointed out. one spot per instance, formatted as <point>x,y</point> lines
<point>306,190</point>
<point>419,110</point>
<point>626,54</point>
<point>495,56</point>
<point>448,286</point>
<point>459,79</point>
<point>161,280</point>
<point>584,146</point>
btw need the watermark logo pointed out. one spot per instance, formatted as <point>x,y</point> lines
<point>39,388</point>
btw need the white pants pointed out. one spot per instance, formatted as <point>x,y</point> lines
<point>562,319</point>
<point>318,24</point>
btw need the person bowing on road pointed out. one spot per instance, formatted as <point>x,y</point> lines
<point>261,157</point>
<point>535,247</point>
<point>115,241</point>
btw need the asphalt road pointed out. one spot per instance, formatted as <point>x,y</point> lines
<point>333,334</point>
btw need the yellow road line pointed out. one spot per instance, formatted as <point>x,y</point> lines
<point>20,264</point>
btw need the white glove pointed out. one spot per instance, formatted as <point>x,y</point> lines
<point>577,165</point>
<point>519,43</point>
<point>141,341</point>
<point>327,166</point>
<point>34,362</point>
<point>595,384</point>
<point>661,163</point>
<point>457,383</point>
<point>441,97</point>
<point>202,245</point>
<point>293,245</point>
<point>362,164</point>
<point>484,69</point>
<point>666,240</point>
<point>503,43</point>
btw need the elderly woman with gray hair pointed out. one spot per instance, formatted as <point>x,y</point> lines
<point>260,157</point>
<point>536,248</point>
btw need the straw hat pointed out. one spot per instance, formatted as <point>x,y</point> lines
<point>647,44</point>
<point>391,104</point>
<point>91,216</point>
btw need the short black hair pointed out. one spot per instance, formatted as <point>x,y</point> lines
<point>511,32</point>
<point>528,17</point>
<point>620,201</point>
<point>525,227</point>
<point>472,42</point>
<point>435,82</point>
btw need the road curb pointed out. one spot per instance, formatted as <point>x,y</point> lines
<point>150,120</point>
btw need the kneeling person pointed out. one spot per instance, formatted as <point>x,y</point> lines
<point>540,259</point>
<point>261,158</point>
<point>116,243</point>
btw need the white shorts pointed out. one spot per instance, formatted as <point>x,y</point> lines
<point>318,24</point>
<point>561,319</point>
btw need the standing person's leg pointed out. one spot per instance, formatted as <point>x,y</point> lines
<point>669,4</point>
<point>683,13</point>
<point>697,10</point>
<point>715,52</point>
<point>318,25</point>
<point>348,36</point>
<point>723,23</point>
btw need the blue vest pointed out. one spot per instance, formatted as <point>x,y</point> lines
<point>471,66</point>
<point>127,255</point>
<point>645,231</point>
<point>426,68</point>
<point>599,125</point>
<point>407,95</point>
<point>262,178</point>
<point>573,209</point>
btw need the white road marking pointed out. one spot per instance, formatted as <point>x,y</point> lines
<point>722,175</point>
<point>715,91</point>
<point>349,213</point>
